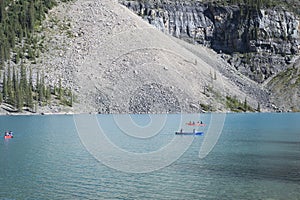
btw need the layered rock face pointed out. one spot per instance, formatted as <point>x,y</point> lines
<point>261,42</point>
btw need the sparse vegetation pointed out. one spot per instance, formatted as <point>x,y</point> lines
<point>21,94</point>
<point>285,86</point>
<point>237,106</point>
<point>206,107</point>
<point>20,23</point>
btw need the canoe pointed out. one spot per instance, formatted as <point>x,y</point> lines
<point>189,133</point>
<point>195,124</point>
<point>8,136</point>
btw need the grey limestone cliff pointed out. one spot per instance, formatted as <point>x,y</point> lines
<point>261,42</point>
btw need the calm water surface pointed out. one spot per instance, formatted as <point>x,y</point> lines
<point>256,157</point>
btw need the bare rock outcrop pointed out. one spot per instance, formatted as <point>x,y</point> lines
<point>115,62</point>
<point>268,39</point>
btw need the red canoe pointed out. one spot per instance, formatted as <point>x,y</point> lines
<point>195,124</point>
<point>8,136</point>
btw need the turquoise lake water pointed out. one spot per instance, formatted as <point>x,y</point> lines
<point>257,156</point>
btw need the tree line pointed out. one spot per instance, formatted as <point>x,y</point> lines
<point>19,19</point>
<point>20,91</point>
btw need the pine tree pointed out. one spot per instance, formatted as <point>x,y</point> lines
<point>4,90</point>
<point>29,98</point>
<point>15,87</point>
<point>2,10</point>
<point>23,78</point>
<point>37,85</point>
<point>48,94</point>
<point>14,80</point>
<point>258,107</point>
<point>19,99</point>
<point>30,102</point>
<point>1,55</point>
<point>30,84</point>
<point>245,105</point>
<point>41,90</point>
<point>60,91</point>
<point>70,95</point>
<point>1,94</point>
<point>44,88</point>
<point>17,57</point>
<point>30,15</point>
<point>9,86</point>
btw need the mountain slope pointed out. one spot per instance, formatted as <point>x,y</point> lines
<point>285,89</point>
<point>118,63</point>
<point>260,41</point>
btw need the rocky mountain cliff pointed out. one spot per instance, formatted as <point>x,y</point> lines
<point>116,62</point>
<point>258,43</point>
<point>285,89</point>
<point>261,42</point>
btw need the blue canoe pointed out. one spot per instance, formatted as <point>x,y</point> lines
<point>189,133</point>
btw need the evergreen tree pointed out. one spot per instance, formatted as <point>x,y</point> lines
<point>2,11</point>
<point>30,84</point>
<point>245,105</point>
<point>258,107</point>
<point>15,82</point>
<point>17,57</point>
<point>41,89</point>
<point>1,55</point>
<point>37,86</point>
<point>23,78</point>
<point>44,88</point>
<point>9,86</point>
<point>31,15</point>
<point>29,98</point>
<point>48,94</point>
<point>70,95</point>
<point>19,99</point>
<point>4,90</point>
<point>60,91</point>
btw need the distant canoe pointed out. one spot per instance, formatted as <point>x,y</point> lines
<point>189,133</point>
<point>8,136</point>
<point>195,124</point>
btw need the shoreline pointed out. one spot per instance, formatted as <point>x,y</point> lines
<point>62,110</point>
<point>95,113</point>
